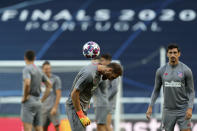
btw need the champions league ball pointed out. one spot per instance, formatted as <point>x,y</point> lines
<point>91,49</point>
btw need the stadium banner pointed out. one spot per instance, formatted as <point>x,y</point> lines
<point>142,125</point>
<point>45,18</point>
<point>131,125</point>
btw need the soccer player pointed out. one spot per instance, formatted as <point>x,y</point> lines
<point>178,88</point>
<point>100,99</point>
<point>112,93</point>
<point>96,60</point>
<point>112,89</point>
<point>50,110</point>
<point>31,103</point>
<point>85,83</point>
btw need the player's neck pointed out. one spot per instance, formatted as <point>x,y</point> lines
<point>49,75</point>
<point>29,62</point>
<point>173,64</point>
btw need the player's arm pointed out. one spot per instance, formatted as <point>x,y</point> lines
<point>75,99</point>
<point>58,96</point>
<point>75,96</point>
<point>155,93</point>
<point>47,91</point>
<point>190,89</point>
<point>26,89</point>
<point>26,84</point>
<point>114,88</point>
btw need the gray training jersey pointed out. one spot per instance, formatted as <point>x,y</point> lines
<point>86,82</point>
<point>100,98</point>
<point>112,91</point>
<point>56,85</point>
<point>36,76</point>
<point>178,87</point>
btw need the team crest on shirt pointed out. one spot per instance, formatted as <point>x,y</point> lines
<point>180,74</point>
<point>165,74</point>
<point>189,125</point>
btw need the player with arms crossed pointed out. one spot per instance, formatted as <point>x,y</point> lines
<point>178,88</point>
<point>31,104</point>
<point>50,110</point>
<point>85,83</point>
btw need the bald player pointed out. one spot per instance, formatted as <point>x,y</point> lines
<point>85,83</point>
<point>178,89</point>
<point>31,102</point>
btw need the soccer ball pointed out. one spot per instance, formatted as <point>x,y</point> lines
<point>91,49</point>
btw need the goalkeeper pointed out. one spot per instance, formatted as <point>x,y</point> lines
<point>85,83</point>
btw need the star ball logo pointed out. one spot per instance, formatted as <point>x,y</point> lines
<point>101,20</point>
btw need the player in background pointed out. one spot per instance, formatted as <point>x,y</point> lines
<point>31,104</point>
<point>85,83</point>
<point>96,60</point>
<point>100,99</point>
<point>112,93</point>
<point>178,89</point>
<point>112,89</point>
<point>50,110</point>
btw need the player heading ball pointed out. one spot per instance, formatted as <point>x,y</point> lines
<point>85,83</point>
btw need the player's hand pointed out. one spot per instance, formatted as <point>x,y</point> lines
<point>83,118</point>
<point>53,111</point>
<point>149,113</point>
<point>24,99</point>
<point>188,114</point>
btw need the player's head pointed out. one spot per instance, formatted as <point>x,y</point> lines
<point>96,60</point>
<point>173,53</point>
<point>29,56</point>
<point>112,71</point>
<point>46,68</point>
<point>105,59</point>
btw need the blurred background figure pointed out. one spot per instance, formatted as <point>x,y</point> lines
<point>50,110</point>
<point>96,60</point>
<point>100,99</point>
<point>31,108</point>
